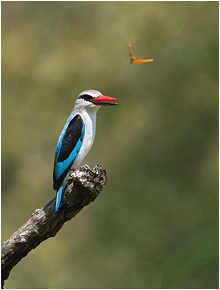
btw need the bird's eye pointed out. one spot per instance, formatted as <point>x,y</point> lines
<point>86,97</point>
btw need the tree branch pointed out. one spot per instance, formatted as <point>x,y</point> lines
<point>81,187</point>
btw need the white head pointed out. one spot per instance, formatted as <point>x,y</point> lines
<point>92,100</point>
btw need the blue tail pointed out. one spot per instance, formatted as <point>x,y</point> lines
<point>58,198</point>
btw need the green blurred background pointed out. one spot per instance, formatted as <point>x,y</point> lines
<point>155,225</point>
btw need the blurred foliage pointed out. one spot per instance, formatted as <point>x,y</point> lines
<point>155,225</point>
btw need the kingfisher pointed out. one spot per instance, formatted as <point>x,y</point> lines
<point>77,136</point>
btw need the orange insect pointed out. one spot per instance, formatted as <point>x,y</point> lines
<point>136,60</point>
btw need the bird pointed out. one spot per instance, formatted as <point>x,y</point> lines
<point>77,136</point>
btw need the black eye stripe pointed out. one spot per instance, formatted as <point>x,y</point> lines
<point>86,97</point>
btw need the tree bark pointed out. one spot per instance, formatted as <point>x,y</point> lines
<point>81,187</point>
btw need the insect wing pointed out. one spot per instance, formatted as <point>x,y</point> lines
<point>140,61</point>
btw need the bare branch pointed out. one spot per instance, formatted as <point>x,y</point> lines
<point>81,187</point>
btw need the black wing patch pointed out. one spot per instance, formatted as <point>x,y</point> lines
<point>71,137</point>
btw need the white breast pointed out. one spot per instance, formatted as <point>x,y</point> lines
<point>89,119</point>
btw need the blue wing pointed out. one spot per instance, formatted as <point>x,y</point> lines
<point>68,146</point>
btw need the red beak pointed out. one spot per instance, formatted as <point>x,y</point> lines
<point>101,100</point>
